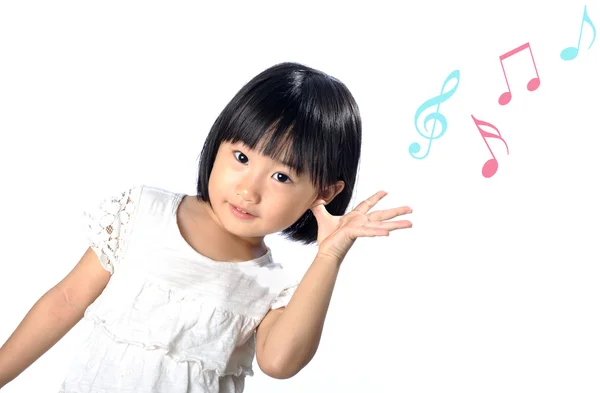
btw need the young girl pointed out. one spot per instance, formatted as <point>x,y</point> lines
<point>182,290</point>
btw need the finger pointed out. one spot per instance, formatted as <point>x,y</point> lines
<point>390,225</point>
<point>368,232</point>
<point>382,215</point>
<point>368,204</point>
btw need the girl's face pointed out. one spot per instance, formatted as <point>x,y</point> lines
<point>261,186</point>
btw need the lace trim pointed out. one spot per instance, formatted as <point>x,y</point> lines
<point>109,225</point>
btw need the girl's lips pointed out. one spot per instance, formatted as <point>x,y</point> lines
<point>238,213</point>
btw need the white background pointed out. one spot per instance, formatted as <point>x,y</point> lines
<point>495,288</point>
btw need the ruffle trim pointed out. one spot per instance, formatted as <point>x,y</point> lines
<point>179,357</point>
<point>285,296</point>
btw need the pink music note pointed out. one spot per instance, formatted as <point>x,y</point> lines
<point>531,86</point>
<point>491,166</point>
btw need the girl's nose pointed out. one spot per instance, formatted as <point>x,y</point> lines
<point>247,190</point>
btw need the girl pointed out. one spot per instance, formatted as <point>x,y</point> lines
<point>182,290</point>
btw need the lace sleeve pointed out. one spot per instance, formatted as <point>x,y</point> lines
<point>108,224</point>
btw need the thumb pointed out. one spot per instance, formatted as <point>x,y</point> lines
<point>320,212</point>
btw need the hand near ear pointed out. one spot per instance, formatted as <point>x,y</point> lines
<point>337,233</point>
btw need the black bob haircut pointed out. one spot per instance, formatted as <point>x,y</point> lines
<point>311,115</point>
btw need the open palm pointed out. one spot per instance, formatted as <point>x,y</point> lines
<point>337,234</point>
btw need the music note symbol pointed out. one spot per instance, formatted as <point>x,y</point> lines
<point>532,85</point>
<point>491,166</point>
<point>436,116</point>
<point>571,52</point>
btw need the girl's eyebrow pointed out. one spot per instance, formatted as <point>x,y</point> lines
<point>281,161</point>
<point>287,164</point>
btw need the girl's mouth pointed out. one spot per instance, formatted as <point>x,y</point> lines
<point>240,213</point>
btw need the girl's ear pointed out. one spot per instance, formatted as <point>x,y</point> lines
<point>328,194</point>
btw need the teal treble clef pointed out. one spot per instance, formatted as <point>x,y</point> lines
<point>436,116</point>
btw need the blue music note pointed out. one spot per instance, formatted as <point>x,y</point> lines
<point>436,116</point>
<point>571,52</point>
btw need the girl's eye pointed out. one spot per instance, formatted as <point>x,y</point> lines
<point>280,176</point>
<point>241,155</point>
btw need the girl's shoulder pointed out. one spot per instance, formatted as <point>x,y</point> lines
<point>156,192</point>
<point>153,198</point>
<point>110,219</point>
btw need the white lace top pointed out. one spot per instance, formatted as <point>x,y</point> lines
<point>170,319</point>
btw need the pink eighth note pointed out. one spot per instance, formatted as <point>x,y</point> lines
<point>490,167</point>
<point>533,83</point>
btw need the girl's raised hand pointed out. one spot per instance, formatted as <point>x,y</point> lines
<point>337,234</point>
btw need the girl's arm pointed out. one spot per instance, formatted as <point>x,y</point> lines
<point>52,316</point>
<point>288,338</point>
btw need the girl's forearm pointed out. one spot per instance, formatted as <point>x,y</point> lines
<point>294,338</point>
<point>50,318</point>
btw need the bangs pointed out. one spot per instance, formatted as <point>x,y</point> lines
<point>278,142</point>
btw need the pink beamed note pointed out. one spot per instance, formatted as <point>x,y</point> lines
<point>533,83</point>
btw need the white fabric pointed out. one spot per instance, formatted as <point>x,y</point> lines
<point>170,319</point>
